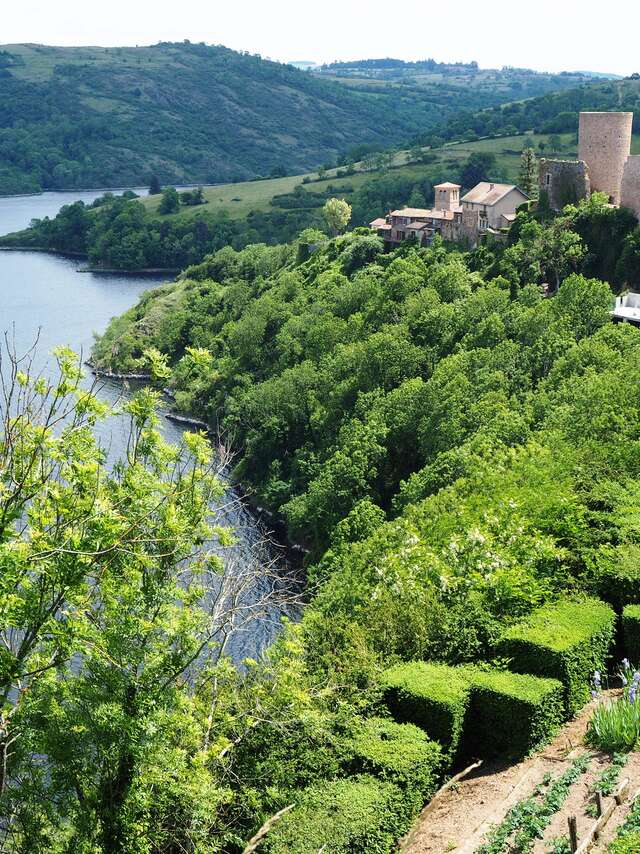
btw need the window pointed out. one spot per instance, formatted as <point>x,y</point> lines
<point>548,178</point>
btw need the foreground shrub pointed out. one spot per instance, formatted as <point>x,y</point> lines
<point>511,714</point>
<point>433,696</point>
<point>358,814</point>
<point>400,753</point>
<point>615,725</point>
<point>631,632</point>
<point>566,641</point>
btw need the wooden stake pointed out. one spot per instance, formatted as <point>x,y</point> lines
<point>573,833</point>
<point>599,803</point>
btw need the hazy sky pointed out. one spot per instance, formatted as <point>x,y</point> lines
<point>544,34</point>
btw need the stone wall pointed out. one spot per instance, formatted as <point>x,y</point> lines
<point>563,182</point>
<point>604,143</point>
<point>630,194</point>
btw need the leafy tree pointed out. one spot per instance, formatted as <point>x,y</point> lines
<point>155,187</point>
<point>337,214</point>
<point>528,177</point>
<point>480,166</point>
<point>170,201</point>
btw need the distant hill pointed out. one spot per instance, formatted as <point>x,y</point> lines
<point>556,112</point>
<point>463,83</point>
<point>191,113</point>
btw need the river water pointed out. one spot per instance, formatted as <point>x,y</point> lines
<point>43,297</point>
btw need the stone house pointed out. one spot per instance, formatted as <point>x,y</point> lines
<point>496,204</point>
<point>488,208</point>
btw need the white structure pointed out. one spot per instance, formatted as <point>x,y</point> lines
<point>627,309</point>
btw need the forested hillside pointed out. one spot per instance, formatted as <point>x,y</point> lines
<point>455,448</point>
<point>189,113</point>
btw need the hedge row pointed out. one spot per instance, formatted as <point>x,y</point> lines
<point>567,641</point>
<point>486,713</point>
<point>512,714</point>
<point>435,697</point>
<point>398,753</point>
<point>631,633</point>
<point>340,816</point>
<point>396,769</point>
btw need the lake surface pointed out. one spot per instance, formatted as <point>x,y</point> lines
<point>44,298</point>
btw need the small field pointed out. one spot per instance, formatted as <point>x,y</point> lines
<point>237,200</point>
<point>532,801</point>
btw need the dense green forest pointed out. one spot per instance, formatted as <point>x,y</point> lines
<point>455,448</point>
<point>91,117</point>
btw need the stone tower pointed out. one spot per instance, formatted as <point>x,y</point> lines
<point>630,195</point>
<point>604,143</point>
<point>447,196</point>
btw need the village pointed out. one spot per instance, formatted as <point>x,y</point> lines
<point>605,165</point>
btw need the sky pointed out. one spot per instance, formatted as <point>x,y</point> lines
<point>554,35</point>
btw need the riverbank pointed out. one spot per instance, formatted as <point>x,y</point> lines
<point>144,271</point>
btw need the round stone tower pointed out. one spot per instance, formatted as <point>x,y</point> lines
<point>604,143</point>
<point>630,196</point>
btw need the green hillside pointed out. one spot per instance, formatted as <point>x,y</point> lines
<point>191,113</point>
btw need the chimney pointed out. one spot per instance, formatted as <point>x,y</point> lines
<point>491,186</point>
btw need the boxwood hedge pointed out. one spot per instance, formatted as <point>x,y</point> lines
<point>400,753</point>
<point>566,641</point>
<point>511,714</point>
<point>631,633</point>
<point>435,697</point>
<point>340,816</point>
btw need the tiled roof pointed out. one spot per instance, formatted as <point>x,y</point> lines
<point>447,186</point>
<point>486,193</point>
<point>378,223</point>
<point>412,212</point>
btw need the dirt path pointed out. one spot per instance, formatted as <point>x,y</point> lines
<point>458,820</point>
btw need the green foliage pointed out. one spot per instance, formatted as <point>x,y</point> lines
<point>567,641</point>
<point>170,201</point>
<point>631,632</point>
<point>614,575</point>
<point>92,573</point>
<point>360,814</point>
<point>627,844</point>
<point>511,714</point>
<point>528,177</point>
<point>400,753</point>
<point>628,836</point>
<point>432,696</point>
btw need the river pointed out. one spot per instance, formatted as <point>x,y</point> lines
<point>43,297</point>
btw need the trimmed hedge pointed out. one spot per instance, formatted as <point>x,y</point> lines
<point>357,814</point>
<point>511,714</point>
<point>615,575</point>
<point>400,753</point>
<point>631,633</point>
<point>435,697</point>
<point>566,641</point>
